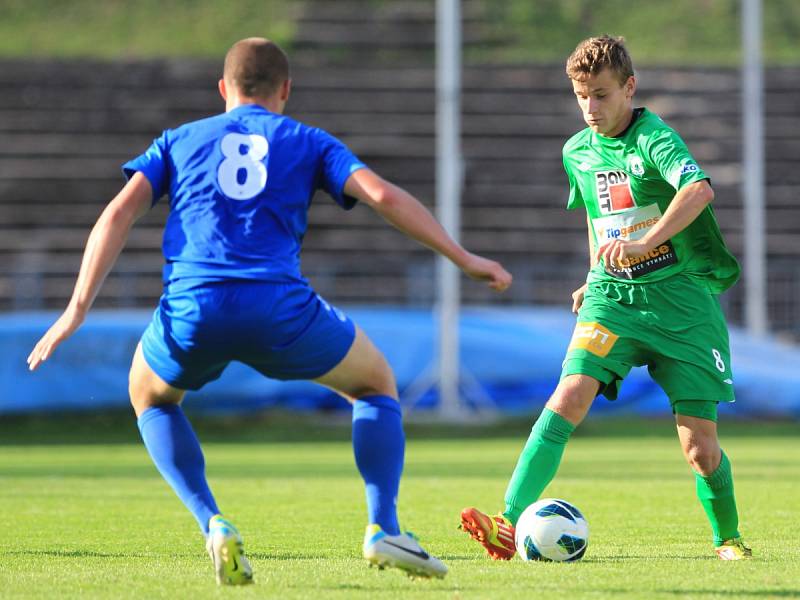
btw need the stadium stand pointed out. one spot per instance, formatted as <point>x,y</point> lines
<point>366,75</point>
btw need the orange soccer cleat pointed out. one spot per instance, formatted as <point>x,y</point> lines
<point>495,533</point>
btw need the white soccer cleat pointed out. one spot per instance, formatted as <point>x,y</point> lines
<point>402,552</point>
<point>226,549</point>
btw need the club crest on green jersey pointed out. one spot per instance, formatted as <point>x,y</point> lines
<point>636,165</point>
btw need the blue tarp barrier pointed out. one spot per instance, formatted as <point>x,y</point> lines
<point>511,358</point>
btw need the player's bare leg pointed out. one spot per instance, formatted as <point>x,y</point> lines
<point>536,467</point>
<point>146,388</point>
<point>365,379</point>
<point>573,397</point>
<point>699,443</point>
<point>714,481</point>
<point>176,453</point>
<point>362,372</point>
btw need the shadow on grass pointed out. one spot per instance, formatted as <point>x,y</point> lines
<point>75,554</point>
<point>280,426</point>
<point>626,557</point>
<point>285,556</point>
<point>686,593</point>
<point>301,471</point>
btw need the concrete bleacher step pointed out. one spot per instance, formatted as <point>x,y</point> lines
<point>340,32</point>
<point>67,127</point>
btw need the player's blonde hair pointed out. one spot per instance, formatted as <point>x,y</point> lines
<point>256,67</point>
<point>594,54</point>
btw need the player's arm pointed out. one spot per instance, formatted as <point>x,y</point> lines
<point>577,295</point>
<point>105,242</point>
<point>685,207</point>
<point>410,216</point>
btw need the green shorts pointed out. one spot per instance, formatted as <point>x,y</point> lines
<point>675,327</point>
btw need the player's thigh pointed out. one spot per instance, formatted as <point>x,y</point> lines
<point>186,342</point>
<point>605,343</point>
<point>302,337</point>
<point>146,388</point>
<point>362,372</point>
<point>691,351</point>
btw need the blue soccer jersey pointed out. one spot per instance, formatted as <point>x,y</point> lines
<point>240,185</point>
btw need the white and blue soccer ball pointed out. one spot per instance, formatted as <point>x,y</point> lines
<point>551,529</point>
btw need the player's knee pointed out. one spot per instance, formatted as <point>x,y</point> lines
<point>378,382</point>
<point>140,399</point>
<point>375,379</point>
<point>134,384</point>
<point>137,398</point>
<point>573,397</point>
<point>145,391</point>
<point>703,456</point>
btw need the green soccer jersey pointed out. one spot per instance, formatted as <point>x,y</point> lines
<point>626,184</point>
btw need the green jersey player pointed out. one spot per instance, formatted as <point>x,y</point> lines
<point>658,263</point>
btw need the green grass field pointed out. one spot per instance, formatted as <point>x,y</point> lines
<point>85,519</point>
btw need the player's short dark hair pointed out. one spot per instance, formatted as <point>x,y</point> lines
<point>256,66</point>
<point>594,54</point>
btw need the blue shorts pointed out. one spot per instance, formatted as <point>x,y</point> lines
<point>283,330</point>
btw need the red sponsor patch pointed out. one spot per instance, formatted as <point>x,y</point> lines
<point>613,191</point>
<point>621,196</point>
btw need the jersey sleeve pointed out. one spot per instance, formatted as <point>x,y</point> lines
<point>153,165</point>
<point>575,199</point>
<point>672,158</point>
<point>338,163</point>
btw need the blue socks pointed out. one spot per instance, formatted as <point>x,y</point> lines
<point>378,445</point>
<point>379,448</point>
<point>174,448</point>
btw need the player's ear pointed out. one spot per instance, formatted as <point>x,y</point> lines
<point>630,86</point>
<point>222,91</point>
<point>286,89</point>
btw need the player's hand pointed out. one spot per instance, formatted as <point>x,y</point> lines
<point>490,271</point>
<point>615,251</point>
<point>64,327</point>
<point>577,297</point>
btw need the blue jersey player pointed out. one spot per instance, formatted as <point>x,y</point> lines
<point>239,187</point>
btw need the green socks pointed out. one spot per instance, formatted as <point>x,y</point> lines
<point>716,495</point>
<point>538,463</point>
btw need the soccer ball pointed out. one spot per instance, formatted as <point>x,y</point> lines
<point>551,529</point>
